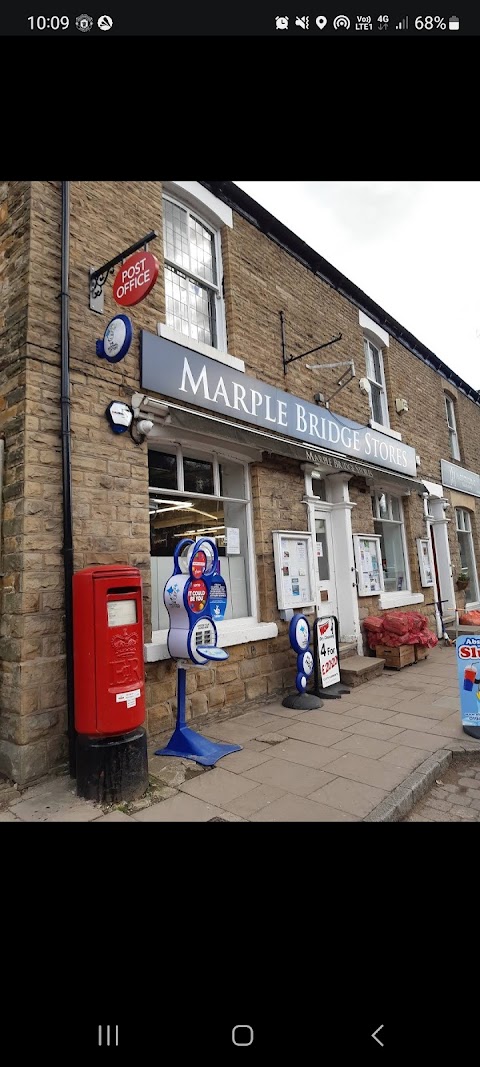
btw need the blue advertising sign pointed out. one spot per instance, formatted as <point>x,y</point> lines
<point>299,633</point>
<point>195,597</point>
<point>116,339</point>
<point>218,597</point>
<point>468,668</point>
<point>192,635</point>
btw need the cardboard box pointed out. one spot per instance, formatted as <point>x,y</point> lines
<point>397,657</point>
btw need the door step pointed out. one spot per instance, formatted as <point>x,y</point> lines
<point>346,649</point>
<point>453,632</point>
<point>360,669</point>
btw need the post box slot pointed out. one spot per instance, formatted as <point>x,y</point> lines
<point>121,589</point>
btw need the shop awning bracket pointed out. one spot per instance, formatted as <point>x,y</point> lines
<point>99,276</point>
<point>291,359</point>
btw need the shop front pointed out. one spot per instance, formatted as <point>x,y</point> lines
<point>463,487</point>
<point>235,459</point>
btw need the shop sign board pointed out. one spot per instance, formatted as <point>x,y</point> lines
<point>135,279</point>
<point>328,663</point>
<point>468,670</point>
<point>174,371</point>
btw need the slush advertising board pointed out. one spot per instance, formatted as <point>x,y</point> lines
<point>468,667</point>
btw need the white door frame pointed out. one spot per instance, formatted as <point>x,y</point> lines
<point>323,511</point>
<point>340,506</point>
<point>446,592</point>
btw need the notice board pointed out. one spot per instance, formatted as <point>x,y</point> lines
<point>293,555</point>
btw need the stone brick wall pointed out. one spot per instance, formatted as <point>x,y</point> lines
<point>15,209</point>
<point>110,472</point>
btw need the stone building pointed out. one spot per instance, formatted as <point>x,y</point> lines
<point>242,444</point>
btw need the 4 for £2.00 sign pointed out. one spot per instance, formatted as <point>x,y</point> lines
<point>327,652</point>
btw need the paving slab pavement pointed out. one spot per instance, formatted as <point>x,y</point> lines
<point>369,756</point>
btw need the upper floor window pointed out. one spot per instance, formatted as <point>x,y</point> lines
<point>452,427</point>
<point>376,377</point>
<point>192,275</point>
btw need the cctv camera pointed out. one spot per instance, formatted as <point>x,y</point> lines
<point>145,426</point>
<point>365,386</point>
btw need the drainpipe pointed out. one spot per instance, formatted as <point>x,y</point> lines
<point>67,472</point>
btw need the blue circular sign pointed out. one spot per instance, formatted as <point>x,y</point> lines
<point>116,339</point>
<point>305,663</point>
<point>299,633</point>
<point>301,682</point>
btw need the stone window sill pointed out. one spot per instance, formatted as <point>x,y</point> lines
<point>233,632</point>
<point>385,430</point>
<point>400,599</point>
<point>197,346</point>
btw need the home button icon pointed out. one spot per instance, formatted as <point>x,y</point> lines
<point>242,1036</point>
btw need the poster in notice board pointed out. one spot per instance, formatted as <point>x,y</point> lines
<point>368,564</point>
<point>293,569</point>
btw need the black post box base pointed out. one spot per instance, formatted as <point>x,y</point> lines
<point>112,769</point>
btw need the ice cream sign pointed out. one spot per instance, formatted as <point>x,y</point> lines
<point>468,670</point>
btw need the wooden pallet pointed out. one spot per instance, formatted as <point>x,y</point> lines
<point>397,658</point>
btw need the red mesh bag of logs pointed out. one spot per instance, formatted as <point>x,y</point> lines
<point>396,623</point>
<point>470,618</point>
<point>400,628</point>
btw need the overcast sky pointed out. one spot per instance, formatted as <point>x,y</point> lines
<point>413,247</point>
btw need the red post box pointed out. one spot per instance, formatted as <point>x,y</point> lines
<point>109,679</point>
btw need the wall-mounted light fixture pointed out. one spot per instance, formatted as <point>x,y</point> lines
<point>400,405</point>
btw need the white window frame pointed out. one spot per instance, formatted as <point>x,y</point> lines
<point>216,288</point>
<point>370,342</point>
<point>233,631</point>
<point>401,597</point>
<point>452,427</point>
<point>467,529</point>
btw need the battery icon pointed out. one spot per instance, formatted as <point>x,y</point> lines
<point>454,22</point>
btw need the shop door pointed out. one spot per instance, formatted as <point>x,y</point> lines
<point>325,564</point>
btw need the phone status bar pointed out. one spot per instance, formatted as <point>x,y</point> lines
<point>222,20</point>
<point>381,23</point>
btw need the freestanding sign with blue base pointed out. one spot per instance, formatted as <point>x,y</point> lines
<point>194,592</point>
<point>468,670</point>
<point>299,637</point>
